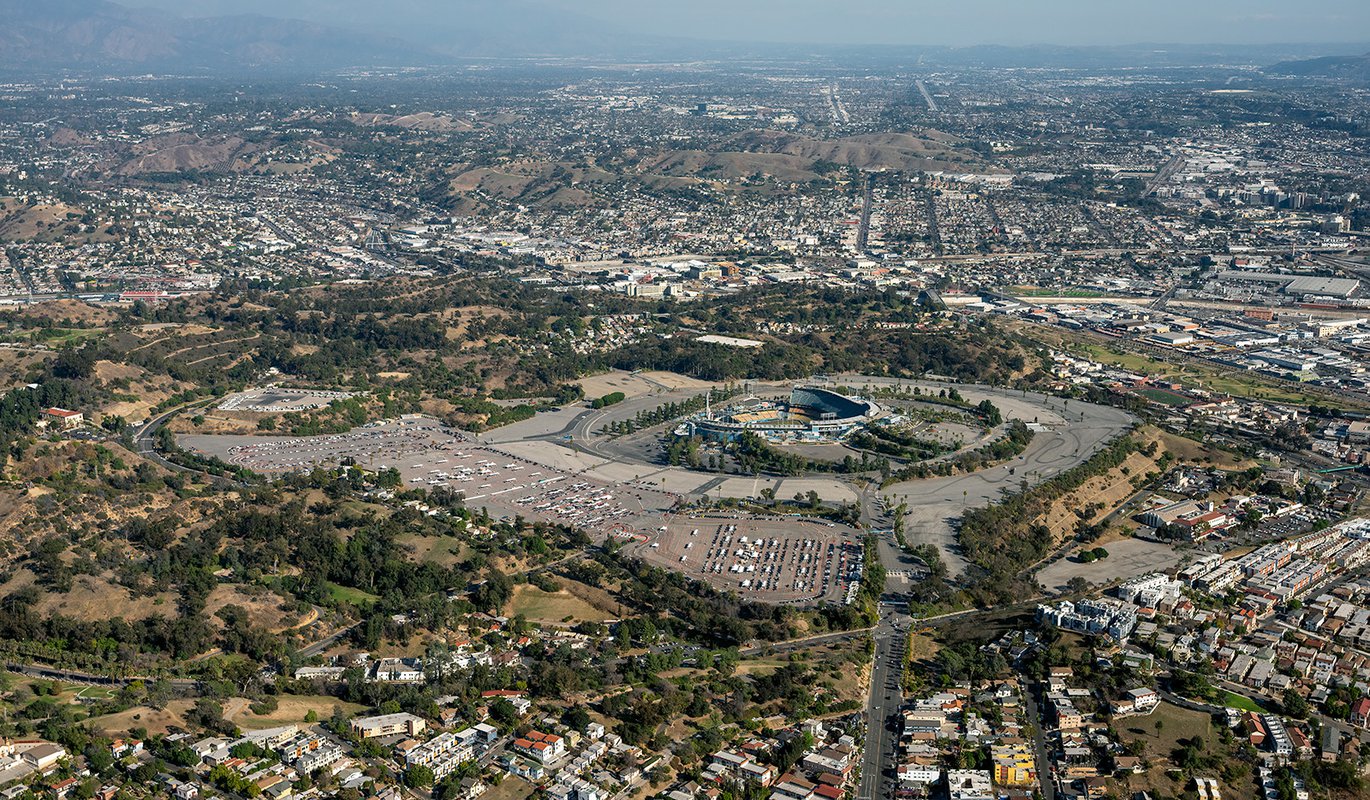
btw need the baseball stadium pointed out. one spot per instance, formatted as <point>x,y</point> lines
<point>811,414</point>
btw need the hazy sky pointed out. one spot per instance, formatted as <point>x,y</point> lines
<point>949,22</point>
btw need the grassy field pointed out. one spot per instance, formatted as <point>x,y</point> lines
<point>442,550</point>
<point>543,607</point>
<point>509,789</point>
<point>346,594</point>
<point>60,337</point>
<point>1176,725</point>
<point>1241,703</point>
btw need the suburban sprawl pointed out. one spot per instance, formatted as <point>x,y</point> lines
<point>839,428</point>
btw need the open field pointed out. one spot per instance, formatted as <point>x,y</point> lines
<point>1241,703</point>
<point>290,709</point>
<point>553,607</point>
<point>510,788</point>
<point>92,597</point>
<point>441,550</point>
<point>347,594</point>
<point>1176,724</point>
<point>263,606</point>
<point>154,720</point>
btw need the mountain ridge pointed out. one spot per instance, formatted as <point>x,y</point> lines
<point>64,34</point>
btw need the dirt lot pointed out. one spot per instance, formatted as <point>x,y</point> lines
<point>442,550</point>
<point>1176,724</point>
<point>289,709</point>
<point>1127,558</point>
<point>154,720</point>
<point>636,385</point>
<point>76,311</point>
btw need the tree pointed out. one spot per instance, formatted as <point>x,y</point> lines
<point>74,364</point>
<point>418,776</point>
<point>1294,704</point>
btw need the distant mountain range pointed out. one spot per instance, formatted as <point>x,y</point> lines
<point>86,34</point>
<point>45,35</point>
<point>1352,68</point>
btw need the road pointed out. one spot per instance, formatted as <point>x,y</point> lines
<point>927,96</point>
<point>45,672</point>
<point>309,651</point>
<point>863,230</point>
<point>1039,745</point>
<point>145,443</point>
<point>1165,172</point>
<point>878,759</point>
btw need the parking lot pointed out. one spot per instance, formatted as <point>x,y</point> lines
<point>428,455</point>
<point>768,559</point>
<point>274,399</point>
<point>776,560</point>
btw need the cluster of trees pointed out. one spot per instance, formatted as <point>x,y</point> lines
<point>716,362</point>
<point>20,409</point>
<point>1015,440</point>
<point>1092,555</point>
<point>754,455</point>
<point>612,398</point>
<point>894,443</point>
<point>1005,538</point>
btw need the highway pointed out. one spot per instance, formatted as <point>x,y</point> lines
<point>927,96</point>
<point>863,231</point>
<point>1165,173</point>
